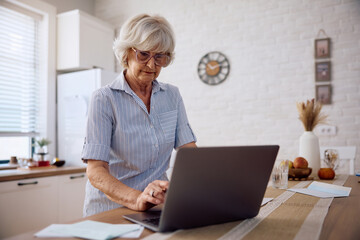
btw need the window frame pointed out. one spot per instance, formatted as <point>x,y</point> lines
<point>47,63</point>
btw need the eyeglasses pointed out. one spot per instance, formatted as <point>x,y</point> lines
<point>160,59</point>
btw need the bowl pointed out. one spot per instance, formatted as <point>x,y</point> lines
<point>299,172</point>
<point>59,163</point>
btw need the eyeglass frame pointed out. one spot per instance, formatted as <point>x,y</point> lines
<point>151,56</point>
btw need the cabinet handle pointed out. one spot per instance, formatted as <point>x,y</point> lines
<point>74,177</point>
<point>29,183</point>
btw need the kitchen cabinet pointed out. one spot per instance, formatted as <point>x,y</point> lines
<point>83,42</point>
<point>27,204</point>
<point>38,202</point>
<point>71,196</point>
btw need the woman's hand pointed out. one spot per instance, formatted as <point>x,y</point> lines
<point>100,177</point>
<point>153,194</point>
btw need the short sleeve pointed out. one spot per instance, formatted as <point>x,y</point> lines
<point>184,133</point>
<point>99,128</point>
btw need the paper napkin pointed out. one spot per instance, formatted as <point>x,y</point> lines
<point>91,230</point>
<point>323,190</point>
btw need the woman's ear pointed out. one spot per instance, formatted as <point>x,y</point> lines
<point>125,59</point>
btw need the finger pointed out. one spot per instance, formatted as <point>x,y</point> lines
<point>152,200</point>
<point>159,195</point>
<point>156,189</point>
<point>164,185</point>
<point>158,186</point>
<point>153,190</point>
<point>143,203</point>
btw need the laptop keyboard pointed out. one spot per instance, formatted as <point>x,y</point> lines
<point>153,221</point>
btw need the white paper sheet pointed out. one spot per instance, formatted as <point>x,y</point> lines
<point>323,190</point>
<point>92,230</point>
<point>266,200</point>
<point>133,234</point>
<point>54,230</point>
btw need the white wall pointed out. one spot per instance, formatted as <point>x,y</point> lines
<point>270,45</point>
<point>68,5</point>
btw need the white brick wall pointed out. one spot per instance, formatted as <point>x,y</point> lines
<point>270,45</point>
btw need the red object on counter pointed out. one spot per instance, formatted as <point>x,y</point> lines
<point>326,173</point>
<point>43,163</point>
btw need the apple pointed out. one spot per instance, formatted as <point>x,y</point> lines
<point>300,162</point>
<point>326,173</point>
<point>287,162</point>
<point>291,164</point>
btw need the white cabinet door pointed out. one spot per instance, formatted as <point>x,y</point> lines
<point>27,204</point>
<point>71,196</point>
<point>83,42</point>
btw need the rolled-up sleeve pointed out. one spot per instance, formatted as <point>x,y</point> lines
<point>184,133</point>
<point>98,129</point>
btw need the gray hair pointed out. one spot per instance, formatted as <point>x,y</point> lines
<point>146,33</point>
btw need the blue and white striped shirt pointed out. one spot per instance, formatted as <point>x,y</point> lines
<point>136,144</point>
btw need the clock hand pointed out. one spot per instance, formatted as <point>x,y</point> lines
<point>213,67</point>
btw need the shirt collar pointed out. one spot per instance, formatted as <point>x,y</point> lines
<point>121,84</point>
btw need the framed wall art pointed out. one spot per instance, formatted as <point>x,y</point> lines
<point>322,71</point>
<point>322,48</point>
<point>323,94</point>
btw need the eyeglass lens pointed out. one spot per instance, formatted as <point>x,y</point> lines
<point>160,59</point>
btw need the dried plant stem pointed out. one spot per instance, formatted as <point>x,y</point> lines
<point>310,114</point>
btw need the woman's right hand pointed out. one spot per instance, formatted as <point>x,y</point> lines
<point>153,194</point>
<point>100,177</point>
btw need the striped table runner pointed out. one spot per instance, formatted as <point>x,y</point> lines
<point>287,216</point>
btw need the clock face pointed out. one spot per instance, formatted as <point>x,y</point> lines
<point>213,68</point>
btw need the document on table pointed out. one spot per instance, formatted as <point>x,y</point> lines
<point>323,190</point>
<point>265,201</point>
<point>92,230</point>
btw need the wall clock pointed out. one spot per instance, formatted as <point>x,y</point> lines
<point>213,68</point>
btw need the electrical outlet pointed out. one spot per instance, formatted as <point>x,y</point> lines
<point>326,130</point>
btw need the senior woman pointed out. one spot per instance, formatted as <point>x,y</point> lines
<point>135,122</point>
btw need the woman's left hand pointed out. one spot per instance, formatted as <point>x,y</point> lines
<point>153,194</point>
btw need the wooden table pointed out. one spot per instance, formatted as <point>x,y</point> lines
<point>341,222</point>
<point>343,218</point>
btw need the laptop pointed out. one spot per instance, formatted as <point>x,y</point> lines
<point>212,185</point>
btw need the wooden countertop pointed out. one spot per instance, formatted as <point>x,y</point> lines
<point>341,221</point>
<point>16,174</point>
<point>8,166</point>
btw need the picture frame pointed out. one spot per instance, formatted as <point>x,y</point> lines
<point>323,94</point>
<point>322,48</point>
<point>322,71</point>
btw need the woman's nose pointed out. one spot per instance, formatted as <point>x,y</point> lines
<point>151,63</point>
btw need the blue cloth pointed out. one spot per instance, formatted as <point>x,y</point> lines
<point>136,144</point>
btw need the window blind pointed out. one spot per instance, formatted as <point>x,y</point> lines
<point>19,73</point>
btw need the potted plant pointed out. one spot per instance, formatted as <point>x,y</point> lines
<point>41,144</point>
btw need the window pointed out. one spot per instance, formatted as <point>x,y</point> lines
<point>27,75</point>
<point>14,146</point>
<point>19,71</point>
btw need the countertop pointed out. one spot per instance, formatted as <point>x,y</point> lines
<point>8,166</point>
<point>16,174</point>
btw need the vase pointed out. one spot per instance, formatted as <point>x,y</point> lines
<point>310,150</point>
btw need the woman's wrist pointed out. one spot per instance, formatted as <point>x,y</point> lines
<point>132,198</point>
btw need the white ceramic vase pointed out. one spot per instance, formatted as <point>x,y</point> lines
<point>310,150</point>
